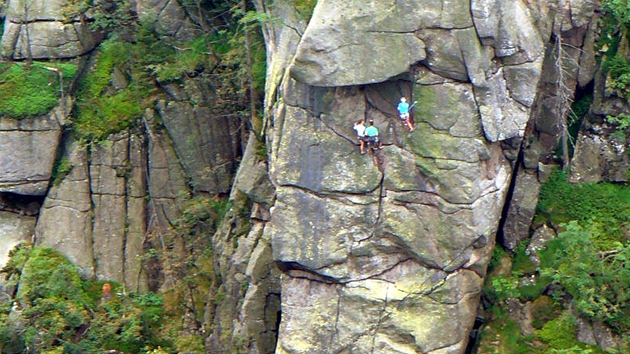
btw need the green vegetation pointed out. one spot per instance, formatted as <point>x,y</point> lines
<point>598,283</point>
<point>560,334</point>
<point>35,89</point>
<point>593,220</point>
<point>55,310</point>
<point>305,8</point>
<point>100,112</point>
<point>620,9</point>
<point>61,169</point>
<point>618,70</point>
<point>130,67</point>
<point>583,268</point>
<point>187,261</point>
<point>561,202</point>
<point>622,121</point>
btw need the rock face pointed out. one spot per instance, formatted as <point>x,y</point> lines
<point>13,230</point>
<point>388,253</point>
<point>38,29</point>
<point>324,249</point>
<point>27,170</point>
<point>204,140</point>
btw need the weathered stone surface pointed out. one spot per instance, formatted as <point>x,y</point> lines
<point>341,35</point>
<point>519,45</point>
<point>136,231</point>
<point>47,40</point>
<point>541,236</point>
<point>246,266</point>
<point>517,40</point>
<point>65,219</point>
<point>172,17</point>
<point>605,337</point>
<point>432,199</point>
<point>39,30</point>
<point>521,209</point>
<point>33,145</point>
<point>313,155</point>
<point>14,229</point>
<point>207,145</point>
<point>444,55</point>
<point>599,157</point>
<point>401,318</point>
<point>585,331</point>
<point>108,169</point>
<point>166,182</point>
<point>252,178</point>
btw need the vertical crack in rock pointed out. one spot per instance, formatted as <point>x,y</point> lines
<point>381,317</point>
<point>335,333</point>
<point>127,199</point>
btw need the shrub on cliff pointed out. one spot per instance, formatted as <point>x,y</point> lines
<point>54,309</point>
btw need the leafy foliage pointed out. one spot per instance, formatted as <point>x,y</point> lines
<point>622,121</point>
<point>61,169</point>
<point>31,90</point>
<point>561,202</point>
<point>620,9</point>
<point>599,282</point>
<point>131,67</point>
<point>56,311</point>
<point>188,264</point>
<point>101,112</point>
<point>588,258</point>
<point>618,70</point>
<point>560,335</point>
<point>305,8</point>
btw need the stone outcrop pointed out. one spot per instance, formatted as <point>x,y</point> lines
<point>33,144</point>
<point>173,18</point>
<point>40,29</point>
<point>65,218</point>
<point>324,249</point>
<point>14,229</point>
<point>207,142</point>
<point>350,231</point>
<point>521,209</point>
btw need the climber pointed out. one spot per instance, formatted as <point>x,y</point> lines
<point>372,136</point>
<point>359,126</point>
<point>403,111</point>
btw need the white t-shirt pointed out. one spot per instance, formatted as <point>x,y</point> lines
<point>360,128</point>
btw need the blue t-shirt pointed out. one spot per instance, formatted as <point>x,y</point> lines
<point>371,131</point>
<point>403,107</point>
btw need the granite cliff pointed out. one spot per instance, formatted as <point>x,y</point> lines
<point>323,249</point>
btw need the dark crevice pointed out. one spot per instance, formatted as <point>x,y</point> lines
<point>500,239</point>
<point>298,270</point>
<point>24,205</point>
<point>474,336</point>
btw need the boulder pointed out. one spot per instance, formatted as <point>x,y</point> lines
<point>521,209</point>
<point>172,17</point>
<point>417,315</point>
<point>599,156</point>
<point>539,240</point>
<point>33,144</point>
<point>341,35</point>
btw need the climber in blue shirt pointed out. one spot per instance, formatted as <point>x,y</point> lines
<point>372,135</point>
<point>403,111</point>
